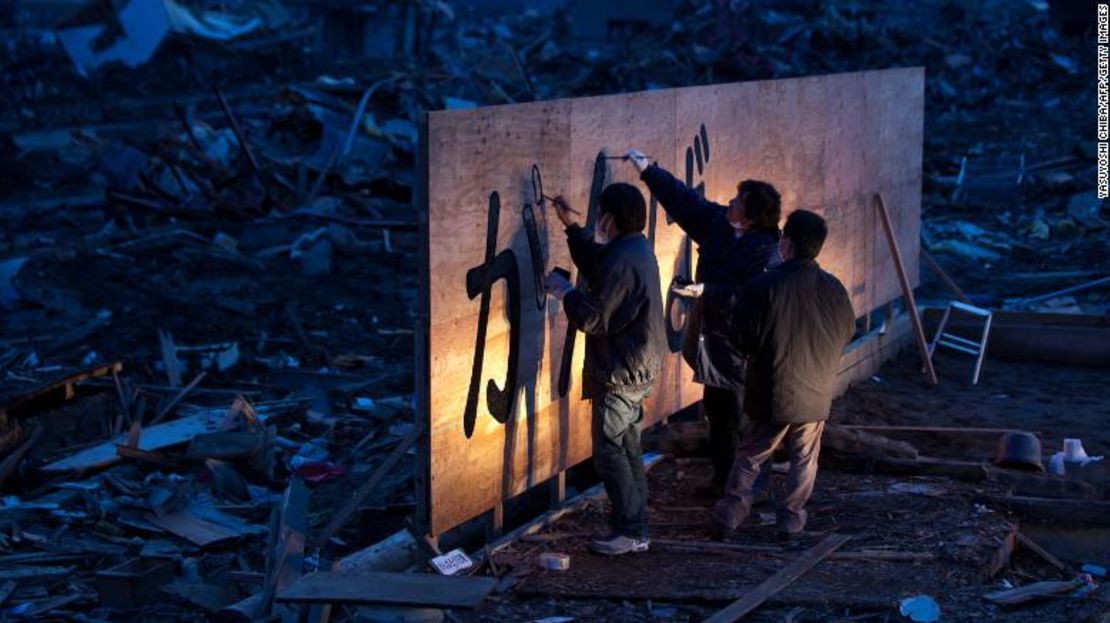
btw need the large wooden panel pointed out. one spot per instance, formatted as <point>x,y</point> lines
<point>505,409</point>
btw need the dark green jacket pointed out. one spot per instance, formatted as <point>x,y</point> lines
<point>794,320</point>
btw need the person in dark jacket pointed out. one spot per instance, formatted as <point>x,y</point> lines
<point>794,321</point>
<point>620,310</point>
<point>735,243</point>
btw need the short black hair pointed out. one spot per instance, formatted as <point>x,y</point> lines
<point>807,232</point>
<point>762,204</point>
<point>626,203</point>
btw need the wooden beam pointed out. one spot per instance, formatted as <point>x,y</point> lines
<point>796,569</point>
<point>289,541</point>
<point>956,430</point>
<point>156,437</point>
<point>178,398</point>
<point>1031,592</point>
<point>1040,551</point>
<point>771,550</point>
<point>907,289</point>
<point>1067,511</point>
<point>382,588</point>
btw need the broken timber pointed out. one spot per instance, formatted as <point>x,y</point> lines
<point>155,437</point>
<point>796,569</point>
<point>907,289</point>
<point>1065,511</point>
<point>382,588</point>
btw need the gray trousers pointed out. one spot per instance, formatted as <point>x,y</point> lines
<point>761,439</point>
<point>617,458</point>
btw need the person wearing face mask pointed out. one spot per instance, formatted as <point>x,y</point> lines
<point>735,243</point>
<point>620,310</point>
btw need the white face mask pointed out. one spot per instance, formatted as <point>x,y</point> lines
<point>737,226</point>
<point>599,231</point>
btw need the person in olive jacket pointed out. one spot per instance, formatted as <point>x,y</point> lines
<point>794,321</point>
<point>735,243</point>
<point>620,310</point>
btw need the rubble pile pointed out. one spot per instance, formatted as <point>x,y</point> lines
<point>208,270</point>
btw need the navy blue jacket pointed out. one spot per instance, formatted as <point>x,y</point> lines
<point>620,310</point>
<point>725,263</point>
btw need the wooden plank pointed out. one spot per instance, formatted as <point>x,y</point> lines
<point>156,437</point>
<point>955,430</point>
<point>1031,592</point>
<point>383,588</point>
<point>289,541</point>
<point>1040,551</point>
<point>1066,511</point>
<point>907,289</point>
<point>771,550</point>
<point>796,569</point>
<point>828,143</point>
<point>203,527</point>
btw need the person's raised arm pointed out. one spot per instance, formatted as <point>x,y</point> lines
<point>693,213</point>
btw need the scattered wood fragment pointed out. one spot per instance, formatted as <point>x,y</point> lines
<point>154,437</point>
<point>1065,511</point>
<point>1045,486</point>
<point>1040,551</point>
<point>396,552</point>
<point>791,572</point>
<point>382,588</point>
<point>289,541</point>
<point>203,526</point>
<point>843,440</point>
<point>956,430</point>
<point>179,397</point>
<point>344,515</point>
<point>1031,592</point>
<point>863,554</point>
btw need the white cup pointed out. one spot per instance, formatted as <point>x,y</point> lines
<point>1073,451</point>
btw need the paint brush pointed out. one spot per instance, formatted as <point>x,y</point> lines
<point>569,209</point>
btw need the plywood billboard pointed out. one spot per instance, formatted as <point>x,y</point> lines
<point>502,384</point>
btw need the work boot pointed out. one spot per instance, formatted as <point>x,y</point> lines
<point>619,545</point>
